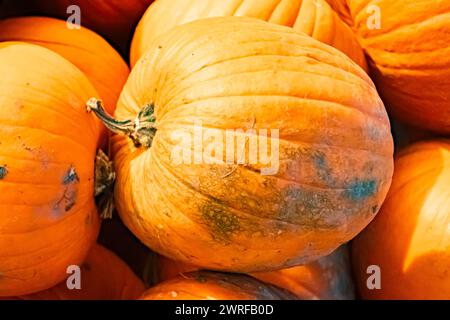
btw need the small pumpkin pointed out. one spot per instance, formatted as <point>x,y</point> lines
<point>313,17</point>
<point>328,172</point>
<point>113,19</point>
<point>409,240</point>
<point>103,277</point>
<point>328,278</point>
<point>85,49</point>
<point>206,285</point>
<point>407,42</point>
<point>48,218</point>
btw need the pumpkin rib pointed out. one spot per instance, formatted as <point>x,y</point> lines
<point>249,168</point>
<point>66,216</point>
<point>49,133</point>
<point>399,28</point>
<point>312,99</point>
<point>233,207</point>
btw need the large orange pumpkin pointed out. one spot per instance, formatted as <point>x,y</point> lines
<point>48,218</point>
<point>409,57</point>
<point>329,171</point>
<point>103,277</point>
<point>410,238</point>
<point>326,278</point>
<point>85,49</point>
<point>113,19</point>
<point>313,17</point>
<point>205,285</point>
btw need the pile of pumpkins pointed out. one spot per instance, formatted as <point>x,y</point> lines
<point>359,207</point>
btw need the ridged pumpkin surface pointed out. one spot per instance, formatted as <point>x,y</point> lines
<point>326,278</point>
<point>103,277</point>
<point>313,17</point>
<point>205,285</point>
<point>409,57</point>
<point>48,218</point>
<point>410,238</point>
<point>335,147</point>
<point>86,50</point>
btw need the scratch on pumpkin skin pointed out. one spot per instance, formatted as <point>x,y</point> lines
<point>68,199</point>
<point>3,172</point>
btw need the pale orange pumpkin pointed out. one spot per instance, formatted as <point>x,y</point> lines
<point>332,166</point>
<point>48,217</point>
<point>313,17</point>
<point>407,42</point>
<point>86,50</point>
<point>103,276</point>
<point>409,240</point>
<point>326,278</point>
<point>205,285</point>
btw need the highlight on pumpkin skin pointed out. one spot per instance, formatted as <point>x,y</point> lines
<point>103,276</point>
<point>409,57</point>
<point>335,147</point>
<point>44,232</point>
<point>328,278</point>
<point>409,240</point>
<point>85,49</point>
<point>314,17</point>
<point>207,285</point>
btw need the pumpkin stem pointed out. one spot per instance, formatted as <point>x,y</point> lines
<point>140,130</point>
<point>104,184</point>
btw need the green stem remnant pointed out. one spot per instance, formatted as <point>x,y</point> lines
<point>140,130</point>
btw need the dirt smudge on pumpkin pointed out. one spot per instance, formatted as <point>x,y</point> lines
<point>3,172</point>
<point>323,170</point>
<point>221,222</point>
<point>361,189</point>
<point>71,176</point>
<point>303,206</point>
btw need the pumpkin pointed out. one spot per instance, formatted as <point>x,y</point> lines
<point>342,9</point>
<point>409,57</point>
<point>313,17</point>
<point>85,49</point>
<point>410,238</point>
<point>326,278</point>
<point>327,172</point>
<point>103,276</point>
<point>48,218</point>
<point>113,19</point>
<point>206,285</point>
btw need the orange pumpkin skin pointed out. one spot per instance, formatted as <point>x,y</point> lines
<point>113,19</point>
<point>103,277</point>
<point>86,50</point>
<point>313,17</point>
<point>409,57</point>
<point>414,259</point>
<point>327,278</point>
<point>48,218</point>
<point>206,285</point>
<point>342,9</point>
<point>330,182</point>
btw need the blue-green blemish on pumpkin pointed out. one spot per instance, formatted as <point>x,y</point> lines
<point>3,172</point>
<point>360,190</point>
<point>323,169</point>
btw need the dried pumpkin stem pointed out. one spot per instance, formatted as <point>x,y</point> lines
<point>104,184</point>
<point>140,130</point>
